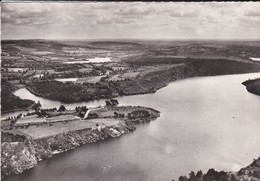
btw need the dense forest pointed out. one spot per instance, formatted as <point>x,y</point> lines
<point>10,101</point>
<point>149,82</point>
<point>253,86</point>
<point>249,173</point>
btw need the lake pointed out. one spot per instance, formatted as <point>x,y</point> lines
<point>67,79</point>
<point>91,60</point>
<point>255,59</point>
<point>206,122</point>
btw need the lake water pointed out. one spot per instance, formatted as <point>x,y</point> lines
<point>67,79</point>
<point>206,122</point>
<point>255,59</point>
<point>91,60</point>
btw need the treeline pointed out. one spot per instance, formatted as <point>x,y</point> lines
<point>150,82</point>
<point>70,92</point>
<point>153,60</point>
<point>11,102</point>
<point>253,86</point>
<point>222,67</point>
<point>250,173</point>
<point>10,137</point>
<point>250,81</point>
<point>202,66</point>
<point>211,175</point>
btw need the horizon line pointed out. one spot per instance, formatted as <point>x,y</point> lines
<point>147,39</point>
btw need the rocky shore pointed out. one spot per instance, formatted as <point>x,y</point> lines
<point>249,173</point>
<point>253,86</point>
<point>20,153</point>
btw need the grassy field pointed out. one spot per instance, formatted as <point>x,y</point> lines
<point>83,70</point>
<point>124,76</point>
<point>130,75</point>
<point>30,119</point>
<point>109,111</point>
<point>62,118</point>
<point>93,79</point>
<point>36,119</point>
<point>29,73</point>
<point>41,127</point>
<point>37,132</point>
<point>114,78</point>
<point>41,53</point>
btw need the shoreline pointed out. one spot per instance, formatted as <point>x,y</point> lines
<point>18,109</point>
<point>126,94</point>
<point>100,139</point>
<point>245,83</point>
<point>147,82</point>
<point>248,173</point>
<point>253,86</point>
<point>21,152</point>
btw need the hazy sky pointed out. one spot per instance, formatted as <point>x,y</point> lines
<point>150,20</point>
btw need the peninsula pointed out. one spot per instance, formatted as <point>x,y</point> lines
<point>28,139</point>
<point>253,86</point>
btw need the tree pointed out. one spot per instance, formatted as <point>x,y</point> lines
<point>192,176</point>
<point>84,109</point>
<point>81,114</point>
<point>108,103</point>
<point>43,112</point>
<point>61,108</point>
<point>36,107</point>
<point>115,114</point>
<point>114,102</point>
<point>19,116</point>
<point>77,109</point>
<point>39,114</point>
<point>199,174</point>
<point>13,121</point>
<point>183,178</point>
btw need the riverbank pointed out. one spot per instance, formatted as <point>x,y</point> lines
<point>10,102</point>
<point>20,156</point>
<point>150,79</point>
<point>253,86</point>
<point>181,141</point>
<point>23,148</point>
<point>249,173</point>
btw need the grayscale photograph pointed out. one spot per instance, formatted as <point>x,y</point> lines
<point>130,91</point>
